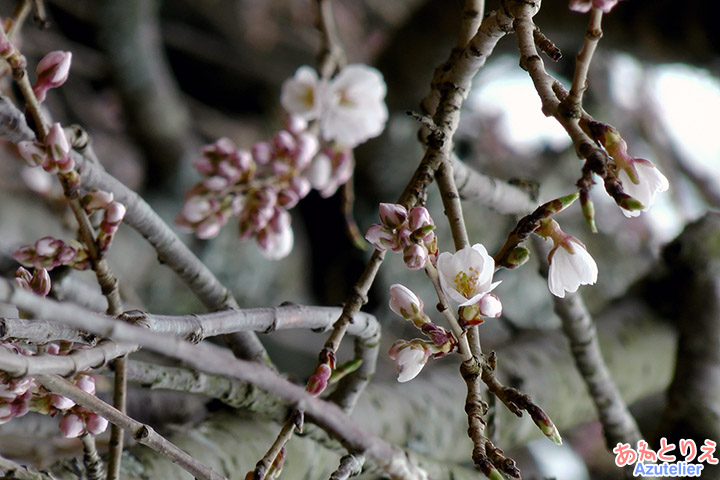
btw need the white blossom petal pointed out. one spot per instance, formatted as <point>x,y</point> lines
<point>302,94</point>
<point>570,270</point>
<point>466,275</point>
<point>650,182</point>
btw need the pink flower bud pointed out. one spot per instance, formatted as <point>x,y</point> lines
<point>287,198</point>
<point>404,302</point>
<point>62,403</point>
<point>262,153</point>
<point>223,147</point>
<point>24,255</point>
<point>37,180</point>
<point>32,152</point>
<point>415,256</point>
<point>114,213</point>
<point>96,199</point>
<point>243,160</point>
<point>204,166</point>
<point>215,183</point>
<point>72,425</point>
<point>47,246</point>
<point>67,254</point>
<point>392,215</point>
<point>490,306</point>
<point>52,71</point>
<point>380,238</point>
<point>419,217</point>
<point>320,172</point>
<point>284,141</point>
<point>57,143</point>
<point>86,383</point>
<point>40,283</point>
<point>209,228</point>
<point>196,208</point>
<point>307,147</point>
<point>53,349</point>
<point>228,171</point>
<point>95,424</point>
<point>319,381</point>
<point>23,275</point>
<point>301,186</point>
<point>296,124</point>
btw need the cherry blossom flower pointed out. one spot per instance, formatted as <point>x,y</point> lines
<point>350,107</point>
<point>642,181</point>
<point>466,275</point>
<point>584,6</point>
<point>570,266</point>
<point>570,263</point>
<point>303,93</point>
<point>640,178</point>
<point>355,110</point>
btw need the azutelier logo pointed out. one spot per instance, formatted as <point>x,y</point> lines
<point>645,459</point>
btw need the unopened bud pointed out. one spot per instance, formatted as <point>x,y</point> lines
<point>392,215</point>
<point>95,424</point>
<point>52,71</point>
<point>72,425</point>
<point>588,210</point>
<point>32,152</point>
<point>404,302</point>
<point>518,256</point>
<point>40,283</point>
<point>415,256</point>
<point>419,217</point>
<point>490,306</point>
<point>629,203</point>
<point>95,200</point>
<point>57,143</point>
<point>319,381</point>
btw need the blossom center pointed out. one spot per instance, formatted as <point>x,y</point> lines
<point>466,283</point>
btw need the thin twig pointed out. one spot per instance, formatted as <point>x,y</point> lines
<point>93,464</point>
<point>213,359</point>
<point>142,433</point>
<point>573,103</point>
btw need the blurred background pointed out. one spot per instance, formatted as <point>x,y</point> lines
<point>153,81</point>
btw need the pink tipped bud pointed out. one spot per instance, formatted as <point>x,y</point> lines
<point>114,213</point>
<point>490,306</point>
<point>95,424</point>
<point>301,186</point>
<point>24,255</point>
<point>262,153</point>
<point>72,425</point>
<point>215,183</point>
<point>410,358</point>
<point>57,143</point>
<point>196,209</point>
<point>415,256</point>
<point>320,172</point>
<point>419,217</point>
<point>47,246</point>
<point>204,166</point>
<point>52,71</point>
<point>209,228</point>
<point>62,403</point>
<point>32,152</point>
<point>53,349</point>
<point>86,383</point>
<point>243,160</point>
<point>296,124</point>
<point>40,283</point>
<point>404,302</point>
<point>392,215</point>
<point>23,275</point>
<point>287,198</point>
<point>284,141</point>
<point>380,238</point>
<point>95,200</point>
<point>307,147</point>
<point>319,381</point>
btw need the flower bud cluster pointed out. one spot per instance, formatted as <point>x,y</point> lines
<point>38,282</point>
<point>53,155</point>
<point>52,72</point>
<point>410,356</point>
<point>259,186</point>
<point>49,252</point>
<point>18,396</point>
<point>113,214</point>
<point>410,232</point>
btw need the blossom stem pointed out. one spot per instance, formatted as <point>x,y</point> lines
<point>573,102</point>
